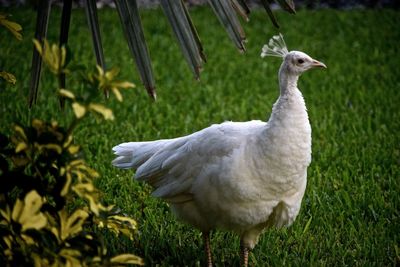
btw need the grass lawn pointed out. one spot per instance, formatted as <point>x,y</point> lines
<point>351,210</point>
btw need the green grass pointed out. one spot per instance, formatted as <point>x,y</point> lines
<point>350,213</point>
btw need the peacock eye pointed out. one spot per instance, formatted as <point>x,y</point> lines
<point>300,61</point>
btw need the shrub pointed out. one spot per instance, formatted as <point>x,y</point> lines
<point>50,209</point>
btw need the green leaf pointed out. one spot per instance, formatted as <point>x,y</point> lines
<point>307,225</point>
<point>132,26</point>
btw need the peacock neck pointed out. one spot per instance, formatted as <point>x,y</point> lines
<point>287,81</point>
<point>290,109</point>
<point>288,125</point>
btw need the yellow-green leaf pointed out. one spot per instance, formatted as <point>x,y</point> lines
<point>67,185</point>
<point>53,55</point>
<point>21,131</point>
<point>10,78</point>
<point>124,85</point>
<point>131,221</point>
<point>127,259</point>
<point>73,149</point>
<point>9,241</point>
<point>37,124</point>
<point>71,256</point>
<point>84,187</point>
<point>90,171</point>
<point>63,55</point>
<point>79,110</point>
<point>56,55</point>
<point>6,213</point>
<point>94,205</point>
<point>68,141</point>
<point>66,93</point>
<point>70,252</point>
<point>28,214</point>
<point>20,147</point>
<point>100,70</point>
<point>127,232</point>
<point>18,206</point>
<point>54,147</point>
<point>38,46</point>
<point>117,94</point>
<point>12,26</point>
<point>73,224</point>
<point>111,73</point>
<point>105,112</point>
<point>76,162</point>
<point>29,240</point>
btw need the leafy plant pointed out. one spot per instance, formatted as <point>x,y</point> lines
<point>180,21</point>
<point>15,29</point>
<point>50,208</point>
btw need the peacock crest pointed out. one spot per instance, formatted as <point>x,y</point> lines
<point>276,47</point>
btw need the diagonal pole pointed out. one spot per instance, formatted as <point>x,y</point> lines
<point>64,30</point>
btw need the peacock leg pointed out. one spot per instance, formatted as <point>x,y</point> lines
<point>244,253</point>
<point>206,237</point>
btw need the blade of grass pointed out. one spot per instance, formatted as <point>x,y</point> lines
<point>225,12</point>
<point>64,30</point>
<point>185,33</point>
<point>42,21</point>
<point>132,26</point>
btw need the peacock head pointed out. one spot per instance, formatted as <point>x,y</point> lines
<point>295,62</point>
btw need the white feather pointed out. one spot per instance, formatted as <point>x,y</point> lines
<point>276,47</point>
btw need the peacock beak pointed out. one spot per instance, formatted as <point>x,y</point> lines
<point>316,63</point>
